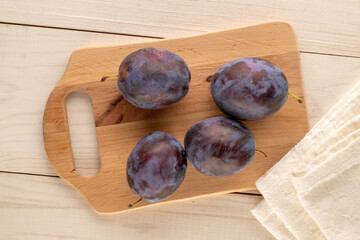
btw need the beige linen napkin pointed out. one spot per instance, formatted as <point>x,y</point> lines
<point>307,193</point>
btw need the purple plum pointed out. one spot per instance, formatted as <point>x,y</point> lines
<point>249,89</point>
<point>219,146</point>
<point>153,78</point>
<point>156,167</point>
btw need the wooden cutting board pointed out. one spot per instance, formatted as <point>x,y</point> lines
<point>119,125</point>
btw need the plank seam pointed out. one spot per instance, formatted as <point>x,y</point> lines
<point>30,174</point>
<point>330,54</point>
<point>145,36</point>
<point>82,30</point>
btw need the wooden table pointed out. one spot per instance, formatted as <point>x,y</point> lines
<point>36,40</point>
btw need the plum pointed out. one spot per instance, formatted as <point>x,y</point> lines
<point>153,78</point>
<point>219,146</point>
<point>156,167</point>
<point>249,89</point>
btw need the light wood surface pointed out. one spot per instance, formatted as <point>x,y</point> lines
<point>33,59</point>
<point>326,26</point>
<point>52,210</point>
<point>119,125</point>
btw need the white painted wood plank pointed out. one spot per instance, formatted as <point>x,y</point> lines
<point>326,26</point>
<point>34,207</point>
<point>34,59</point>
<point>326,80</point>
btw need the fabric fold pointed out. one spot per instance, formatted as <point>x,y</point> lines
<point>271,221</point>
<point>279,186</point>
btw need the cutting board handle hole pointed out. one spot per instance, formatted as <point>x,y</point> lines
<point>83,133</point>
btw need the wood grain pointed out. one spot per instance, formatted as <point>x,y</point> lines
<point>108,191</point>
<point>326,26</point>
<point>35,48</point>
<point>46,208</point>
<point>33,59</point>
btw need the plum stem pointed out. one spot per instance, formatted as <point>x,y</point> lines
<point>296,97</point>
<point>131,205</point>
<point>261,152</point>
<point>108,76</point>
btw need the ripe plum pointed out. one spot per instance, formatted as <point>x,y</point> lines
<point>153,78</point>
<point>219,146</point>
<point>156,166</point>
<point>249,88</point>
